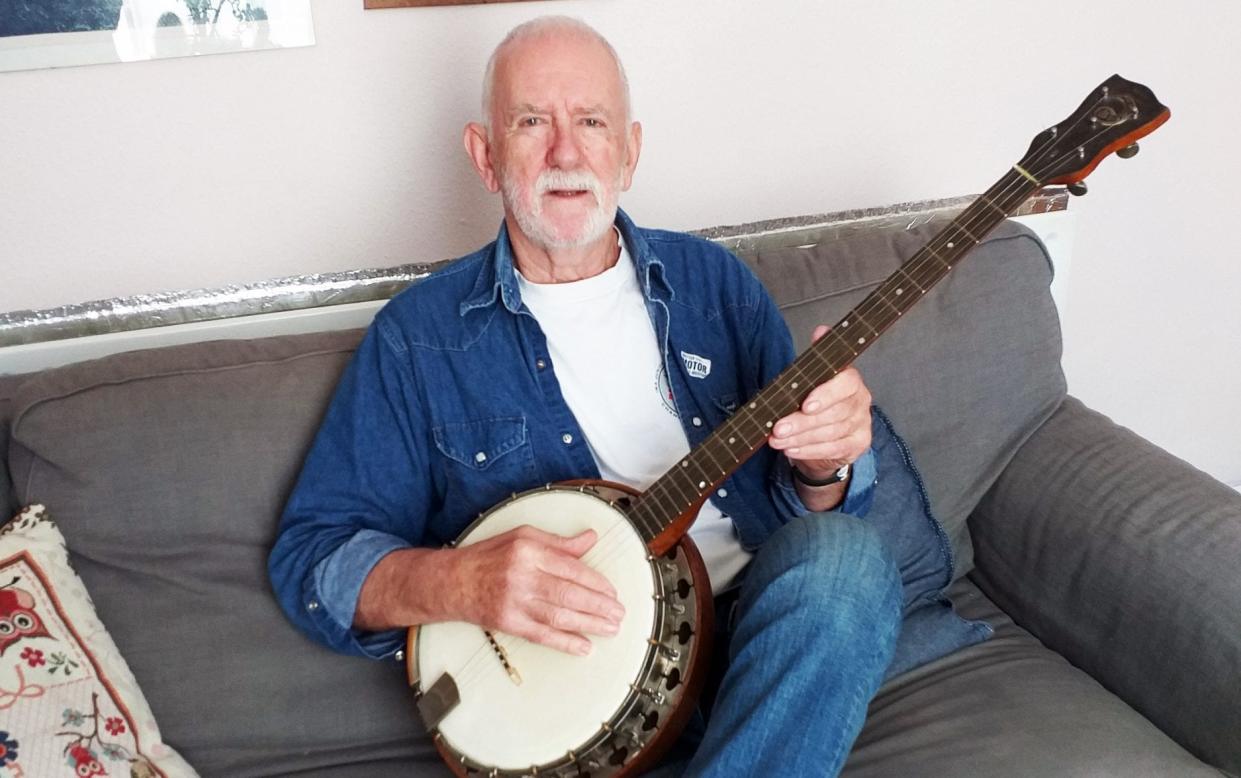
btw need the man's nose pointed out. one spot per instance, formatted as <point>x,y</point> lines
<point>564,152</point>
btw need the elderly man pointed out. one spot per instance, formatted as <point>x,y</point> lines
<point>578,345</point>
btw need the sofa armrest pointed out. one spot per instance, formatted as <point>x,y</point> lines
<point>1125,560</point>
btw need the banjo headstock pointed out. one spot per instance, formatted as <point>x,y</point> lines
<point>1111,119</point>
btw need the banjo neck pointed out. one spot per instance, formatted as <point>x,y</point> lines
<point>665,511</point>
<point>1111,119</point>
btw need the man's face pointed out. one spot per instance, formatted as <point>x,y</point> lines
<point>560,144</point>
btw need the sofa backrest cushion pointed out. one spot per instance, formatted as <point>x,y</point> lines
<point>8,500</point>
<point>967,375</point>
<point>166,471</point>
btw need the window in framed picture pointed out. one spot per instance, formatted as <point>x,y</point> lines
<point>63,33</point>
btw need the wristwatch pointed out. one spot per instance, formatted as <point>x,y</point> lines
<point>834,478</point>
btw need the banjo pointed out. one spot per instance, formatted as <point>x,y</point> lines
<point>499,705</point>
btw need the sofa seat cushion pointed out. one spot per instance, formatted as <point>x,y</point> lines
<point>967,375</point>
<point>1007,708</point>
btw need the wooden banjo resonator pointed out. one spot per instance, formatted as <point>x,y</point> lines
<point>499,705</point>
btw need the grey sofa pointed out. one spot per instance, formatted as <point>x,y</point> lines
<point>1108,567</point>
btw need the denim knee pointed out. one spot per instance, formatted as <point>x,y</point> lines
<point>831,572</point>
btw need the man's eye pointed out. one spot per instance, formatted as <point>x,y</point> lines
<point>593,122</point>
<point>528,121</point>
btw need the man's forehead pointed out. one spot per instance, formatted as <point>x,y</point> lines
<point>558,59</point>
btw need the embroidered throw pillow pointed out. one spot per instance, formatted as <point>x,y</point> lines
<point>69,706</point>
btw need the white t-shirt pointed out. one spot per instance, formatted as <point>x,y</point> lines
<point>604,350</point>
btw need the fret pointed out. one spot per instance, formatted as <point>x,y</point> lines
<point>677,482</point>
<point>640,513</point>
<point>695,484</point>
<point>730,430</point>
<point>945,262</point>
<point>649,501</point>
<point>835,333</point>
<point>706,450</point>
<point>735,442</point>
<point>883,298</point>
<point>987,200</point>
<point>971,235</point>
<point>900,290</point>
<point>647,527</point>
<point>877,301</point>
<point>746,414</point>
<point>797,384</point>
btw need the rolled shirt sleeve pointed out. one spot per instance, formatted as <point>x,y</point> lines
<point>336,584</point>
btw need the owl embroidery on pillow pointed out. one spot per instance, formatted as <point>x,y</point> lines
<point>85,763</point>
<point>17,616</point>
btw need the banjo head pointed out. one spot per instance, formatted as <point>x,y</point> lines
<point>552,705</point>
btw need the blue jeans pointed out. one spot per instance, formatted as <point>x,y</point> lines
<point>815,627</point>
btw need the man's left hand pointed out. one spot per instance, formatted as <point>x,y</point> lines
<point>831,429</point>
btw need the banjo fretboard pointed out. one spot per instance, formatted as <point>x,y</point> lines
<point>686,485</point>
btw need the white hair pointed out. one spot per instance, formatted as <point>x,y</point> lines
<point>535,28</point>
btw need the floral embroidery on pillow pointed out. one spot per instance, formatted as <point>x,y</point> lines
<point>68,703</point>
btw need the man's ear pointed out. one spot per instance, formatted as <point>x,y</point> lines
<point>479,149</point>
<point>633,148</point>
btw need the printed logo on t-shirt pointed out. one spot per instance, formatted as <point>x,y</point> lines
<point>698,367</point>
<point>665,390</point>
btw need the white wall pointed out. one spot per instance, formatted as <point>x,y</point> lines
<point>122,179</point>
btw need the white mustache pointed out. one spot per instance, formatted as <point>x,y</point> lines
<point>571,180</point>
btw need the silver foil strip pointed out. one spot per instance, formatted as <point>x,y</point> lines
<point>124,314</point>
<point>137,312</point>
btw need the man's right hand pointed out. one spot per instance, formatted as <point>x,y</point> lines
<point>525,582</point>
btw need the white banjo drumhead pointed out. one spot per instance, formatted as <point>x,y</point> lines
<point>563,699</point>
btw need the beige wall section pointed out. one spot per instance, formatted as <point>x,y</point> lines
<point>123,179</point>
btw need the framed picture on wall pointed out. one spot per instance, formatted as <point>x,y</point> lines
<point>63,33</point>
<point>416,3</point>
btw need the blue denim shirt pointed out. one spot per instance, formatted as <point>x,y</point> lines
<point>451,404</point>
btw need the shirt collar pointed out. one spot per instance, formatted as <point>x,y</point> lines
<point>497,278</point>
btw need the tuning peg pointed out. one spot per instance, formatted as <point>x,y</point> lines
<point>1127,151</point>
<point>1077,188</point>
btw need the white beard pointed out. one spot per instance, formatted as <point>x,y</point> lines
<point>530,218</point>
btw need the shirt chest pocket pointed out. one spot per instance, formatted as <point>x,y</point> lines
<point>486,460</point>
